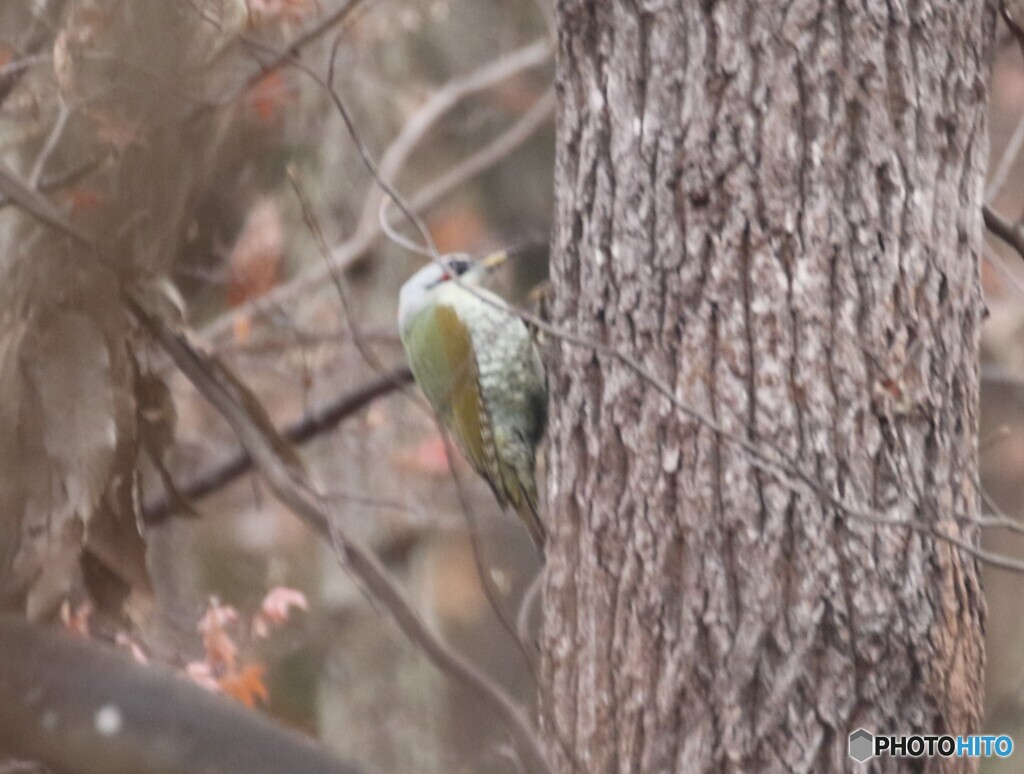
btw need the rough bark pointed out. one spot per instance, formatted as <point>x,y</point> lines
<point>775,208</point>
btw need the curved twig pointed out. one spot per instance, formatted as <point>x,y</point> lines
<point>362,241</point>
<point>440,103</point>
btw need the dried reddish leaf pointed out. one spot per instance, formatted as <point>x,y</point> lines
<point>277,605</point>
<point>82,198</point>
<point>201,674</point>
<point>269,97</point>
<point>115,130</point>
<point>76,620</point>
<point>516,95</point>
<point>255,261</point>
<point>246,685</point>
<point>241,328</point>
<point>221,649</point>
<point>429,458</point>
<point>280,600</point>
<point>458,228</point>
<point>124,641</point>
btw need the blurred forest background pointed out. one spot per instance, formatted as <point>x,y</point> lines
<point>188,138</point>
<point>1002,400</point>
<point>199,142</point>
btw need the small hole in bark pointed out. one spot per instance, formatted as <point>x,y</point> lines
<point>700,199</point>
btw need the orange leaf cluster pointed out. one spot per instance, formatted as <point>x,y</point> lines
<point>246,685</point>
<point>223,670</point>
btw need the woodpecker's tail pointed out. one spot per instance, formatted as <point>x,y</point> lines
<point>527,510</point>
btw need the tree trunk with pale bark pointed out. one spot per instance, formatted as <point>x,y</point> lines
<point>776,210</point>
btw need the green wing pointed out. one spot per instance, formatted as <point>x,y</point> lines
<point>440,353</point>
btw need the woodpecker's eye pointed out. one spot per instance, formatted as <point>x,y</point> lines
<point>459,266</point>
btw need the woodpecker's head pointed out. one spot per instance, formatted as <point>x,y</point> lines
<point>421,289</point>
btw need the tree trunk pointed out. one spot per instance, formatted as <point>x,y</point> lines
<point>775,209</point>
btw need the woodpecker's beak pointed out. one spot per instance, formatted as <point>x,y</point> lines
<point>494,260</point>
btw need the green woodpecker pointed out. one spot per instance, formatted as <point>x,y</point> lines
<point>478,366</point>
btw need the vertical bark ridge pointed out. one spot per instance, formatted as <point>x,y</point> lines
<point>776,210</point>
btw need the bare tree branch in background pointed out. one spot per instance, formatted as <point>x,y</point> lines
<point>787,471</point>
<point>369,232</point>
<point>280,57</point>
<point>37,205</point>
<point>995,222</point>
<point>441,102</point>
<point>320,420</point>
<point>1004,229</point>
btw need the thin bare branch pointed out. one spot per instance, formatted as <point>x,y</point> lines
<point>284,473</point>
<point>363,151</point>
<point>1010,155</point>
<point>526,605</point>
<point>1004,229</point>
<point>64,178</point>
<point>37,205</point>
<point>502,146</point>
<point>441,102</point>
<point>482,572</point>
<point>64,113</point>
<point>356,248</point>
<point>313,224</point>
<point>998,519</point>
<point>279,56</point>
<point>316,422</point>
